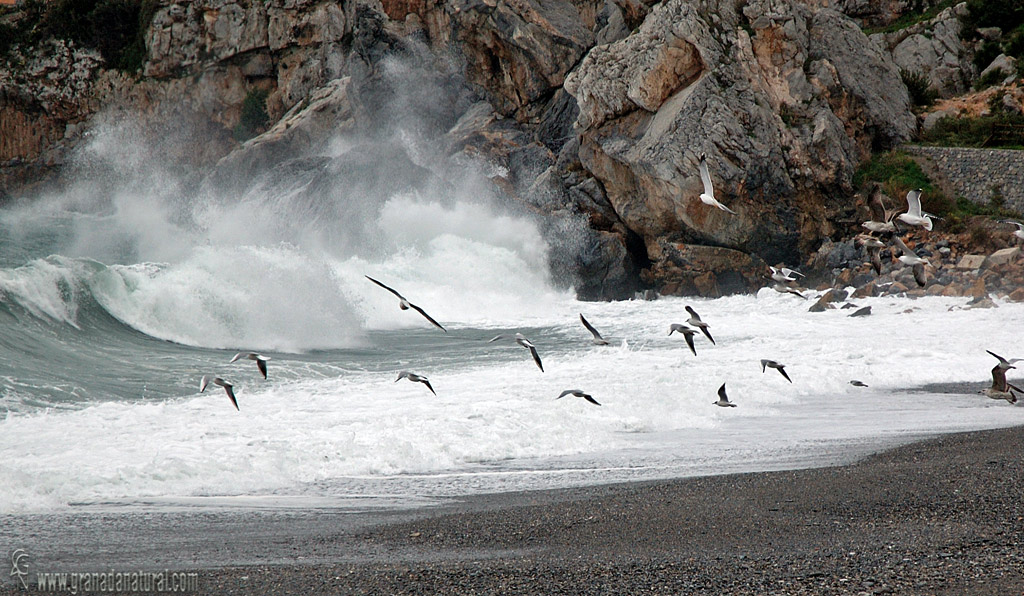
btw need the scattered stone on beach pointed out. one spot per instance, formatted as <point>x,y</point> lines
<point>1001,257</point>
<point>861,312</point>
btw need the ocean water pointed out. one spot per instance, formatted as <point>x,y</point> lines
<point>117,295</point>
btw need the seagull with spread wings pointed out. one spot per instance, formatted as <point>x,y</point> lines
<point>406,305</point>
<point>526,344</point>
<point>228,387</point>
<point>708,196</point>
<point>597,336</point>
<point>578,393</point>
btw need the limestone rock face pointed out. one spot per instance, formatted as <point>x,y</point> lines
<point>784,114</point>
<point>933,48</point>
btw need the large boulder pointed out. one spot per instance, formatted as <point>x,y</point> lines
<point>934,49</point>
<point>784,100</point>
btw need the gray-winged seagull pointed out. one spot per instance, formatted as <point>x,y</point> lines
<point>909,257</point>
<point>415,378</point>
<point>406,305</point>
<point>773,364</point>
<point>1003,362</point>
<point>687,333</point>
<point>261,361</point>
<point>228,387</point>
<point>696,322</point>
<point>526,344</point>
<point>723,399</point>
<point>578,393</point>
<point>597,336</point>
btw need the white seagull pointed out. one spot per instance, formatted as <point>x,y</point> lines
<point>406,305</point>
<point>784,274</point>
<point>578,393</point>
<point>708,196</point>
<point>696,322</point>
<point>723,399</point>
<point>597,336</point>
<point>261,361</point>
<point>526,344</point>
<point>687,333</point>
<point>415,378</point>
<point>914,216</point>
<point>1019,232</point>
<point>773,364</point>
<point>228,387</point>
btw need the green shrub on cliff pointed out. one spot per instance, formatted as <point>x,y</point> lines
<point>254,117</point>
<point>898,173</point>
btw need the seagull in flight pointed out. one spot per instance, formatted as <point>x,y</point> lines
<point>914,216</point>
<point>909,257</point>
<point>857,383</point>
<point>1005,364</point>
<point>228,387</point>
<point>723,399</point>
<point>696,322</point>
<point>708,196</point>
<point>526,344</point>
<point>874,247</point>
<point>784,274</point>
<point>787,290</point>
<point>766,364</point>
<point>881,220</point>
<point>1019,232</point>
<point>597,336</point>
<point>415,378</point>
<point>406,305</point>
<point>687,333</point>
<point>578,393</point>
<point>261,361</point>
<point>1001,389</point>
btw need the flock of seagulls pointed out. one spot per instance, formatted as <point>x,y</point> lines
<point>880,228</point>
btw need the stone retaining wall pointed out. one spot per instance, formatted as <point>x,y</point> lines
<point>979,174</point>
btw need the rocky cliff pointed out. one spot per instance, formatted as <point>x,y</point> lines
<point>589,113</point>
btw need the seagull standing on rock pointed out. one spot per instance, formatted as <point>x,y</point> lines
<point>708,196</point>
